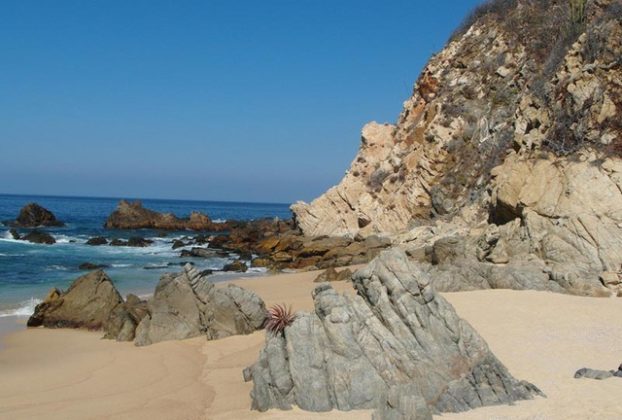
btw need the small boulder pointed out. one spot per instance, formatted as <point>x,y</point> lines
<point>91,266</point>
<point>178,244</point>
<point>330,274</point>
<point>139,242</point>
<point>593,374</point>
<point>15,234</point>
<point>238,266</point>
<point>123,320</point>
<point>39,237</point>
<point>96,241</point>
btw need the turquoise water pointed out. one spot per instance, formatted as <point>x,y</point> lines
<point>28,271</point>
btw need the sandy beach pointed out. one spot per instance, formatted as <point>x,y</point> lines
<point>541,337</point>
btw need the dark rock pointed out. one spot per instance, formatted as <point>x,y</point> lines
<point>87,303</point>
<point>398,345</point>
<point>91,266</point>
<point>206,273</point>
<point>238,266</point>
<point>330,275</point>
<point>33,215</point>
<point>202,253</point>
<point>135,216</point>
<point>98,240</point>
<point>15,234</point>
<point>178,244</point>
<point>188,305</point>
<point>123,320</point>
<point>134,241</point>
<point>39,237</point>
<point>138,242</point>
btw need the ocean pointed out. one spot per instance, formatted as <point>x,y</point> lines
<point>28,271</point>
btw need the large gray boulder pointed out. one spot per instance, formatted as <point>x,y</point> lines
<point>188,305</point>
<point>87,303</point>
<point>398,346</point>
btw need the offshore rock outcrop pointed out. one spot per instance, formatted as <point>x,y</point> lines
<point>187,305</point>
<point>134,216</point>
<point>33,215</point>
<point>511,143</point>
<point>396,346</point>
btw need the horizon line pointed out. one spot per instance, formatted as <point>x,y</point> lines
<point>143,198</point>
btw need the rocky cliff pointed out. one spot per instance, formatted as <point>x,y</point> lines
<point>511,144</point>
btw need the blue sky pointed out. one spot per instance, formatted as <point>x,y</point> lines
<point>214,100</point>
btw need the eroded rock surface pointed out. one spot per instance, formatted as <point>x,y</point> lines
<point>86,304</point>
<point>187,305</point>
<point>398,345</point>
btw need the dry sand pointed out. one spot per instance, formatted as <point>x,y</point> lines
<point>541,337</point>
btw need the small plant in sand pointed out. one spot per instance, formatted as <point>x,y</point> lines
<point>279,317</point>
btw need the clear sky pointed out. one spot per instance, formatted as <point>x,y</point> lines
<point>215,100</point>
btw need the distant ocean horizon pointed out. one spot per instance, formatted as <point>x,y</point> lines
<point>28,271</point>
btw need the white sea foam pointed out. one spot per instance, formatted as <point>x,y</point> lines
<point>120,265</point>
<point>219,220</point>
<point>24,309</point>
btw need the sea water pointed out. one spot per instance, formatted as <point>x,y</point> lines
<point>28,271</point>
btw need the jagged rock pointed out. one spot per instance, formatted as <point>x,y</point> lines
<point>330,275</point>
<point>39,237</point>
<point>87,303</point>
<point>33,215</point>
<point>135,216</point>
<point>486,141</point>
<point>91,266</point>
<point>123,320</point>
<point>96,241</point>
<point>178,244</point>
<point>15,234</point>
<point>187,305</point>
<point>395,336</point>
<point>238,266</point>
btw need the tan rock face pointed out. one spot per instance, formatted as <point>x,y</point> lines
<point>489,91</point>
<point>512,143</point>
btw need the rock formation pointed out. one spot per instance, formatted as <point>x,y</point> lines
<point>511,143</point>
<point>135,216</point>
<point>330,275</point>
<point>39,237</point>
<point>33,215</point>
<point>187,305</point>
<point>124,319</point>
<point>86,304</point>
<point>397,341</point>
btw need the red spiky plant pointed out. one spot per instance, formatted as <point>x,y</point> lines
<point>279,317</point>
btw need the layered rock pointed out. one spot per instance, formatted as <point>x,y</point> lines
<point>511,144</point>
<point>86,304</point>
<point>32,215</point>
<point>396,346</point>
<point>135,216</point>
<point>187,305</point>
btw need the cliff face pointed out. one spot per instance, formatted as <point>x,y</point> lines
<point>504,168</point>
<point>521,82</point>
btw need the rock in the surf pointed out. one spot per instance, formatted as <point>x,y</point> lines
<point>39,237</point>
<point>33,215</point>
